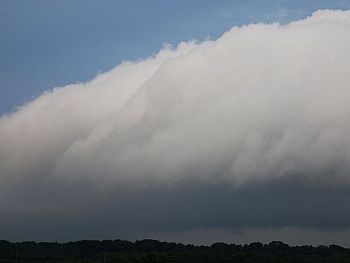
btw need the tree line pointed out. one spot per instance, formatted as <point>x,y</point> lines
<point>148,250</point>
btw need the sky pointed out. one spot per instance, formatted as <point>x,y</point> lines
<point>46,44</point>
<point>189,121</point>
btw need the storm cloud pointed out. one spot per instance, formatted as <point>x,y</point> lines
<point>251,130</point>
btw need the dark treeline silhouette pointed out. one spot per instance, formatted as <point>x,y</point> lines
<point>155,251</point>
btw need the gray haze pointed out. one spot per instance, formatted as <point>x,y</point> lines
<point>243,138</point>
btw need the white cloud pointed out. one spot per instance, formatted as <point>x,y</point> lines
<point>262,101</point>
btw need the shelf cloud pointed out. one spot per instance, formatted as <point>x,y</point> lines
<point>251,130</point>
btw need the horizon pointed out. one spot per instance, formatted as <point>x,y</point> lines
<point>272,242</point>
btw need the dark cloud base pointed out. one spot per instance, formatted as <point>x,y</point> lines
<point>125,212</point>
